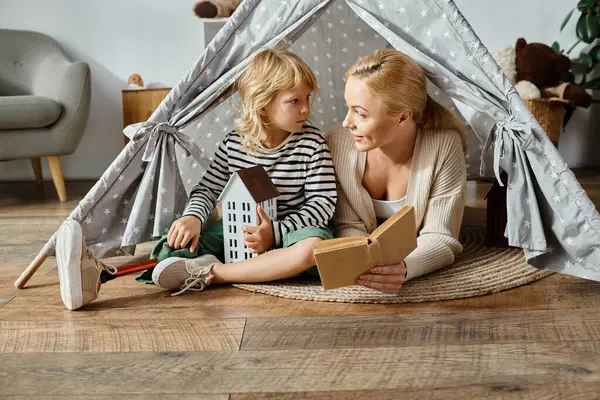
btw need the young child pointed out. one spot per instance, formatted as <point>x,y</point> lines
<point>272,132</point>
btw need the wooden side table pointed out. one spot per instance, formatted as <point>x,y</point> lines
<point>139,104</point>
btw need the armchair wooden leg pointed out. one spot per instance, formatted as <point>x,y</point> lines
<point>36,163</point>
<point>57,176</point>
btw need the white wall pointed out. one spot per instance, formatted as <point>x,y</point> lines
<point>162,39</point>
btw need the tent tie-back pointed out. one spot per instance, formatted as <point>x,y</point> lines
<point>512,128</point>
<point>155,131</point>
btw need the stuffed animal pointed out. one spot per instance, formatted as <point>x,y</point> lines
<point>506,61</point>
<point>527,90</point>
<point>135,81</point>
<point>215,8</point>
<point>539,64</point>
<point>544,67</point>
<point>536,71</point>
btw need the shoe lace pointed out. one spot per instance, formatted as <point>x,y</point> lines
<point>198,280</point>
<point>108,268</point>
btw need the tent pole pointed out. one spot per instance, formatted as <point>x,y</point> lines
<point>31,269</point>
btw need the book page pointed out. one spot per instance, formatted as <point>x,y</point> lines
<point>396,238</point>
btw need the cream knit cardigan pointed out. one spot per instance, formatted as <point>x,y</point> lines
<point>436,190</point>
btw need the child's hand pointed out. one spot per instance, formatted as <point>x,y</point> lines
<point>259,238</point>
<point>182,231</point>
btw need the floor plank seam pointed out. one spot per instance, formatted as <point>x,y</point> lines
<point>243,334</point>
<point>8,301</point>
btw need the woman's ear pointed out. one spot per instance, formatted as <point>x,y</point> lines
<point>405,116</point>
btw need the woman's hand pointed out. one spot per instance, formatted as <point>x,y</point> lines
<point>259,238</point>
<point>182,231</point>
<point>387,278</point>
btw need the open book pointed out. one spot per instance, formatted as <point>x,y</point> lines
<point>340,261</point>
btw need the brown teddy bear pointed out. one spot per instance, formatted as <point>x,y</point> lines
<point>544,67</point>
<point>216,8</point>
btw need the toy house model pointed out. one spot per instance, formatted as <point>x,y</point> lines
<point>245,190</point>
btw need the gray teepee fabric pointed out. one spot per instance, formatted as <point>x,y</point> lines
<point>145,188</point>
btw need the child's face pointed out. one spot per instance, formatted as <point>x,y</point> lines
<point>289,109</point>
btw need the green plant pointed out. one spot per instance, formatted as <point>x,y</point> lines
<point>587,30</point>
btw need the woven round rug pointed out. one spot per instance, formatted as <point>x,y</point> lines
<point>478,271</point>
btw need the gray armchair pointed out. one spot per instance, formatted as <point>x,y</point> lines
<point>44,102</point>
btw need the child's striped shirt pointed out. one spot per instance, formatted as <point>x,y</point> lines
<point>301,168</point>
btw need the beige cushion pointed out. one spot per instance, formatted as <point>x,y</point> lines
<point>24,112</point>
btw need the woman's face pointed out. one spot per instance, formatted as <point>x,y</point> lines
<point>371,127</point>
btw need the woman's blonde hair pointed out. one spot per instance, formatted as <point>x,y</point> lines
<point>400,83</point>
<point>270,72</point>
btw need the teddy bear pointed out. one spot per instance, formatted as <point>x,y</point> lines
<point>537,71</point>
<point>215,8</point>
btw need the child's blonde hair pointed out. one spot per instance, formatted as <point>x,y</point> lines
<point>270,72</point>
<point>400,83</point>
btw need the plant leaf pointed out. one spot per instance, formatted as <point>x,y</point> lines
<point>588,63</point>
<point>556,47</point>
<point>593,25</point>
<point>585,4</point>
<point>587,27</point>
<point>566,20</point>
<point>581,28</point>
<point>595,53</point>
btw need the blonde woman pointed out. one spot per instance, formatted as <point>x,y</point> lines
<point>398,146</point>
<point>271,131</point>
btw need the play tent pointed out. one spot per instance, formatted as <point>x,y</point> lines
<point>145,188</point>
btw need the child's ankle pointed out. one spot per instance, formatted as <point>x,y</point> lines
<point>215,272</point>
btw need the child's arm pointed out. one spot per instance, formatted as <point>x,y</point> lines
<point>204,195</point>
<point>320,196</point>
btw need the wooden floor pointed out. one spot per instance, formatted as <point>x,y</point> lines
<point>540,341</point>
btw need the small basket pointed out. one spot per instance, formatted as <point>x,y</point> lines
<point>549,114</point>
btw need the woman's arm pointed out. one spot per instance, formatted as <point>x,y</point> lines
<point>437,242</point>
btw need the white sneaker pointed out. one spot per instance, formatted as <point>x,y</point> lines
<point>79,271</point>
<point>184,273</point>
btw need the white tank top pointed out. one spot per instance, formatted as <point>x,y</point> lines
<point>386,208</point>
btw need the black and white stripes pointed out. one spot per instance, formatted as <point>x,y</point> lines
<point>301,168</point>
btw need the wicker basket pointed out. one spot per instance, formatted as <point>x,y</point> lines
<point>549,113</point>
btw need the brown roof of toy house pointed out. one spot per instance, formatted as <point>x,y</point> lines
<point>258,183</point>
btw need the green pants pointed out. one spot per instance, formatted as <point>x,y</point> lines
<point>212,242</point>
